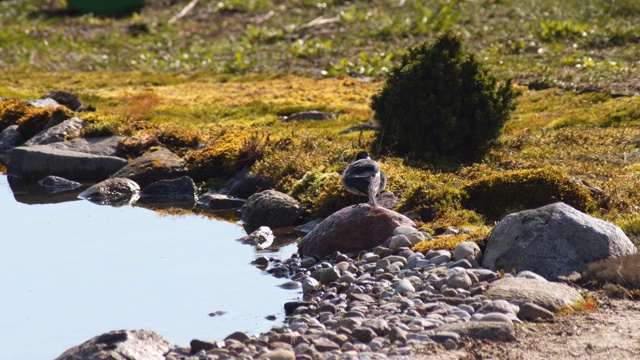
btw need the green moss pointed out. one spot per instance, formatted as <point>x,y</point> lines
<point>497,195</point>
<point>322,193</point>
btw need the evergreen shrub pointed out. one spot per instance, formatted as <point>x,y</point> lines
<point>440,104</point>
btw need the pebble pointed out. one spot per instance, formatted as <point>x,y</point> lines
<point>376,304</point>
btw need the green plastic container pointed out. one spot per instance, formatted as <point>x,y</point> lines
<point>104,7</point>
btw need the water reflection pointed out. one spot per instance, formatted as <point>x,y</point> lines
<point>71,270</point>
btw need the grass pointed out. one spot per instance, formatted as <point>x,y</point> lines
<point>225,72</point>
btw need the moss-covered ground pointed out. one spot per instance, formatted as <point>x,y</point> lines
<point>223,74</point>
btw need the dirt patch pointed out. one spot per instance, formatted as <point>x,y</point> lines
<point>611,332</point>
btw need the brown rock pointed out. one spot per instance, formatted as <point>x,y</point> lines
<point>531,311</point>
<point>354,228</point>
<point>325,345</point>
<point>153,166</point>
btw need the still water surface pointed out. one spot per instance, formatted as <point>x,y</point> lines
<point>73,270</point>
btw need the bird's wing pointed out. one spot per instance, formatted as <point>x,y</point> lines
<point>362,168</point>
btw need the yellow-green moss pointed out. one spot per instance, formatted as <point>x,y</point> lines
<point>497,195</point>
<point>322,193</point>
<point>36,119</point>
<point>449,242</point>
<point>225,155</point>
<point>11,111</point>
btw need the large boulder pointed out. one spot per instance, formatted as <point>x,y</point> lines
<point>142,344</point>
<point>354,228</point>
<point>270,208</point>
<point>36,162</point>
<point>153,166</point>
<point>548,294</point>
<point>69,128</point>
<point>104,145</point>
<point>554,240</point>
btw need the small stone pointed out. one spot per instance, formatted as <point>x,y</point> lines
<point>460,280</point>
<point>397,334</point>
<point>399,241</point>
<point>329,275</point>
<point>530,275</point>
<point>280,354</point>
<point>364,334</point>
<point>324,345</point>
<point>238,336</point>
<point>405,286</point>
<point>443,336</point>
<point>198,345</point>
<point>531,311</point>
<point>468,250</point>
<point>449,344</point>
<point>493,317</point>
<point>309,284</point>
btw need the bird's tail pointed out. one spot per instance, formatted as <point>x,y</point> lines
<point>373,190</point>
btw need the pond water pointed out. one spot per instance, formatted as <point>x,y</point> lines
<point>73,270</point>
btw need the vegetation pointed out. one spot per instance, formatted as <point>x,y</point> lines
<point>212,86</point>
<point>497,195</point>
<point>609,273</point>
<point>440,105</point>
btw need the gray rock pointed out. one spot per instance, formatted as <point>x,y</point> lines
<point>245,184</point>
<point>467,250</point>
<point>442,336</point>
<point>153,166</point>
<point>550,295</point>
<point>118,191</point>
<point>213,202</point>
<point>309,284</point>
<point>69,128</point>
<point>364,334</point>
<point>497,331</point>
<point>9,139</point>
<point>532,312</point>
<point>552,241</point>
<point>270,208</point>
<point>104,145</point>
<point>56,184</point>
<point>121,345</point>
<point>493,317</point>
<point>182,188</point>
<point>530,275</point>
<point>405,286</point>
<point>65,98</point>
<point>460,280</point>
<point>352,229</point>
<point>44,102</point>
<point>398,334</point>
<point>36,162</point>
<point>398,241</point>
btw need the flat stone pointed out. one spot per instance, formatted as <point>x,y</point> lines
<point>497,331</point>
<point>532,312</point>
<point>550,295</point>
<point>325,345</point>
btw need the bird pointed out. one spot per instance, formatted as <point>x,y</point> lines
<point>363,177</point>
